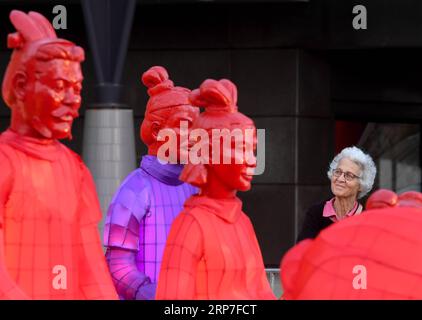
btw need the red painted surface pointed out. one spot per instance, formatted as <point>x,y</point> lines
<point>212,251</point>
<point>375,255</point>
<point>49,209</point>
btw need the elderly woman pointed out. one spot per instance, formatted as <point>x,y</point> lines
<point>352,174</point>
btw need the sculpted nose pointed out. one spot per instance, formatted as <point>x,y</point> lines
<point>251,160</point>
<point>71,97</point>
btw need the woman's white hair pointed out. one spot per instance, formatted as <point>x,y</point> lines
<point>365,162</point>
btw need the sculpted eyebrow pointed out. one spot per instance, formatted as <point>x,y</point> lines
<point>76,81</point>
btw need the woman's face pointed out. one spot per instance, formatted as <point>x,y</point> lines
<point>345,180</point>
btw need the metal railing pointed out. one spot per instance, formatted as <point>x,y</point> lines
<point>273,275</point>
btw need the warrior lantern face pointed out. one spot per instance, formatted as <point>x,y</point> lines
<point>43,80</point>
<point>51,97</point>
<point>235,137</point>
<point>238,173</point>
<point>167,109</point>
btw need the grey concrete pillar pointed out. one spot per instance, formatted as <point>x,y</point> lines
<point>108,143</point>
<point>109,150</point>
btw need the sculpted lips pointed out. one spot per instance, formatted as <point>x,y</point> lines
<point>65,113</point>
<point>66,118</point>
<point>247,177</point>
<point>248,173</point>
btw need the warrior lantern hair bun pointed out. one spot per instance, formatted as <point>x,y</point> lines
<point>162,92</point>
<point>30,27</point>
<point>382,198</point>
<point>410,199</point>
<point>156,79</point>
<point>215,96</point>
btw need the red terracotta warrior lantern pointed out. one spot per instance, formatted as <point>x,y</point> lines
<point>376,255</point>
<point>49,243</point>
<point>212,251</point>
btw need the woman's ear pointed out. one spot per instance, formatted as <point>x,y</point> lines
<point>19,84</point>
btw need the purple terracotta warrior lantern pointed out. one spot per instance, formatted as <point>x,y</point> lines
<point>144,207</point>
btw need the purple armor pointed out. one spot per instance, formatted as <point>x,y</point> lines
<point>138,222</point>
